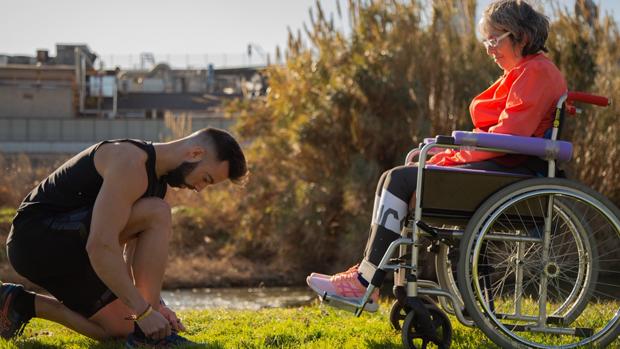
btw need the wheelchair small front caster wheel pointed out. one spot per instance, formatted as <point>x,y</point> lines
<point>398,311</point>
<point>400,293</point>
<point>397,315</point>
<point>413,338</point>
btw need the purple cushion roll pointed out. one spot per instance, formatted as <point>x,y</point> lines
<point>541,147</point>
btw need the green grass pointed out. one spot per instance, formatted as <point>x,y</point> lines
<point>6,214</point>
<point>306,327</point>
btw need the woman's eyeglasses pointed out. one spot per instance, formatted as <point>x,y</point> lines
<point>494,42</point>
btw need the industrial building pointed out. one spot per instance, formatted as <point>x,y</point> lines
<point>63,102</point>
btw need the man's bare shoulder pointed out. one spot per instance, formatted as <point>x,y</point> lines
<point>111,157</point>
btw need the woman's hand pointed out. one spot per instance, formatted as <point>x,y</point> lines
<point>172,318</point>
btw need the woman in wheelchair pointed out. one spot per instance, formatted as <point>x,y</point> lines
<point>521,102</point>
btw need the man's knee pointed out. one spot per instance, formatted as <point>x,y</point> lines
<point>148,214</point>
<point>157,210</point>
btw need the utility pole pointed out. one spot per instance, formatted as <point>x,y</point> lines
<point>260,51</point>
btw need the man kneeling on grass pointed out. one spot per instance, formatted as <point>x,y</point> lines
<point>70,233</point>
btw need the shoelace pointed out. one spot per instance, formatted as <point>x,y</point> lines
<point>346,274</point>
<point>347,284</point>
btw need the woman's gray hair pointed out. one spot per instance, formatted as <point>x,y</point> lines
<point>520,19</point>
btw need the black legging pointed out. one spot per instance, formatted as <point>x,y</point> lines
<point>394,192</point>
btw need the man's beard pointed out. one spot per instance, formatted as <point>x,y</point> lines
<point>176,177</point>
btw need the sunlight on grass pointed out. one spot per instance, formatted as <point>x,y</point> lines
<point>306,327</point>
<point>6,214</point>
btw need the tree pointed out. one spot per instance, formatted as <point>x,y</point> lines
<point>343,109</point>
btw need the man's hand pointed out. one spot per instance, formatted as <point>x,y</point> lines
<point>172,318</point>
<point>155,325</point>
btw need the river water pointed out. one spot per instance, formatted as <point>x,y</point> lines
<point>238,298</point>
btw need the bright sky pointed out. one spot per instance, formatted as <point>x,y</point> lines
<point>203,28</point>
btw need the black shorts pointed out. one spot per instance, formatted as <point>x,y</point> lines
<point>49,249</point>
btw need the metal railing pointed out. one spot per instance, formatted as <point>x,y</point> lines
<point>180,61</point>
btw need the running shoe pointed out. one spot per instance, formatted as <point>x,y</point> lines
<point>12,323</point>
<point>139,340</point>
<point>346,285</point>
<point>327,276</point>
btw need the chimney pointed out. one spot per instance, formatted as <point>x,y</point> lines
<point>42,56</point>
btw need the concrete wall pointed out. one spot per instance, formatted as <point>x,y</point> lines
<point>53,135</point>
<point>23,101</point>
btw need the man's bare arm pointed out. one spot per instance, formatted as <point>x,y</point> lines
<point>124,181</point>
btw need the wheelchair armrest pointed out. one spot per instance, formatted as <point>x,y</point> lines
<point>413,154</point>
<point>541,147</point>
<point>446,140</point>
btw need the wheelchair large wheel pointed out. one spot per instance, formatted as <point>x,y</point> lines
<point>580,293</point>
<point>530,271</point>
<point>585,282</point>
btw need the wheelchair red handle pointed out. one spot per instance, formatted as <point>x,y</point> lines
<point>588,98</point>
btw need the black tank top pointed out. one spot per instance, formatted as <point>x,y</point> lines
<point>76,183</point>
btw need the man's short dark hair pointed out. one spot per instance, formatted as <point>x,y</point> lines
<point>227,149</point>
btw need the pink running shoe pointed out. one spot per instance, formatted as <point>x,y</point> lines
<point>327,276</point>
<point>345,284</point>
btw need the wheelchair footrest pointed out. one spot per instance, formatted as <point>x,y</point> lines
<point>343,303</point>
<point>340,303</point>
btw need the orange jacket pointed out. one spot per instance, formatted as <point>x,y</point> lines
<point>520,103</point>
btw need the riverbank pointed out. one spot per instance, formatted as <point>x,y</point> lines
<point>197,272</point>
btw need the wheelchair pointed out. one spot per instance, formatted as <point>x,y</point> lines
<point>538,257</point>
